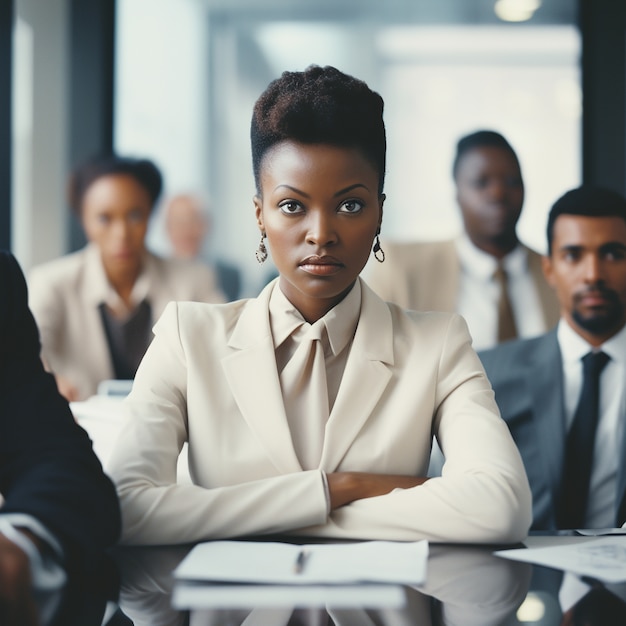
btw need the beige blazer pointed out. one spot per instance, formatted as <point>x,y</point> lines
<point>210,378</point>
<point>64,296</point>
<point>425,276</point>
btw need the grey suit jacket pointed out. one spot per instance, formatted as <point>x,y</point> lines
<point>527,377</point>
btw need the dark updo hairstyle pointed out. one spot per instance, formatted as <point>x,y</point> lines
<point>145,172</point>
<point>481,139</point>
<point>586,201</point>
<point>320,105</point>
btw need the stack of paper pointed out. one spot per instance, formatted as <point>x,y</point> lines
<point>222,574</point>
<point>284,563</point>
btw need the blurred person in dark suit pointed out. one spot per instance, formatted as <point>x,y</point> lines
<point>486,274</point>
<point>562,394</point>
<point>188,225</point>
<point>95,308</point>
<point>59,511</point>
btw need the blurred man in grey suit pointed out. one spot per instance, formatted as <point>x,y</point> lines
<point>563,394</point>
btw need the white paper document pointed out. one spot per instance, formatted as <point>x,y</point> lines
<point>601,558</point>
<point>597,532</point>
<point>285,563</point>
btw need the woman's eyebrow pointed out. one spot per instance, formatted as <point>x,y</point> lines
<point>306,195</point>
<point>350,188</point>
<point>294,189</point>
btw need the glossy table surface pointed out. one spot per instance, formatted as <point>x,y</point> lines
<point>465,585</point>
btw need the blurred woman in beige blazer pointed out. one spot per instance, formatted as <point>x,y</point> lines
<point>95,307</point>
<point>343,453</point>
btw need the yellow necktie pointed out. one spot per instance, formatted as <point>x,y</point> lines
<point>305,396</point>
<point>506,320</point>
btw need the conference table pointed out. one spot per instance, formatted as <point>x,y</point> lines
<point>464,585</point>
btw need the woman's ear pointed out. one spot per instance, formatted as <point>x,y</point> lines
<point>381,202</point>
<point>258,211</point>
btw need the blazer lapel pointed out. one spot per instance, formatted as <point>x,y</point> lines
<point>545,380</point>
<point>368,368</point>
<point>253,379</point>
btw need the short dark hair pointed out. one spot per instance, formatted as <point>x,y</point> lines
<point>144,171</point>
<point>588,201</point>
<point>319,105</point>
<point>480,139</point>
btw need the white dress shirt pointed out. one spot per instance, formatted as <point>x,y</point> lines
<point>479,294</point>
<point>610,429</point>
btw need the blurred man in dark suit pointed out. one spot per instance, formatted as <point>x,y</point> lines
<point>58,510</point>
<point>563,394</point>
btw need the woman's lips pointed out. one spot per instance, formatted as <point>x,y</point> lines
<point>321,266</point>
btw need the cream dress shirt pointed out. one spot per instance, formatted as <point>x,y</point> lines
<point>340,323</point>
<point>479,293</point>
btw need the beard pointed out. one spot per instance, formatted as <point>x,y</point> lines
<point>604,319</point>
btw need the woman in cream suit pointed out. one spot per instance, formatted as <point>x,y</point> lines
<point>344,453</point>
<point>95,307</point>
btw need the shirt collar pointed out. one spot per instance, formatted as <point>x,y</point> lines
<point>102,291</point>
<point>340,321</point>
<point>482,265</point>
<point>574,347</point>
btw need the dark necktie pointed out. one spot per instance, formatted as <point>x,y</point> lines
<point>506,320</point>
<point>579,445</point>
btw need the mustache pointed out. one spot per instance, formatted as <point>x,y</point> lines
<point>597,290</point>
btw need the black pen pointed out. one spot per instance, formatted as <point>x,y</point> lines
<point>300,560</point>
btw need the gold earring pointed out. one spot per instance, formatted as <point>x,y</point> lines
<point>261,251</point>
<point>379,253</point>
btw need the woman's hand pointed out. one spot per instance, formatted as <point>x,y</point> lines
<point>345,487</point>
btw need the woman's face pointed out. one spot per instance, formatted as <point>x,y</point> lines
<point>321,210</point>
<point>115,212</point>
<point>490,193</point>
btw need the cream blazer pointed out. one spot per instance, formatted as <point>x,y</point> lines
<point>210,378</point>
<point>425,276</point>
<point>64,296</point>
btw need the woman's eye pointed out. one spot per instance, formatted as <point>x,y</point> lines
<point>351,206</point>
<point>290,208</point>
<point>104,219</point>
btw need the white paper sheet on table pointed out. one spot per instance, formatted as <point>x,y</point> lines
<point>273,562</point>
<point>602,558</point>
<point>600,532</point>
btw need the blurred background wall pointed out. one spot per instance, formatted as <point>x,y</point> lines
<point>175,80</point>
